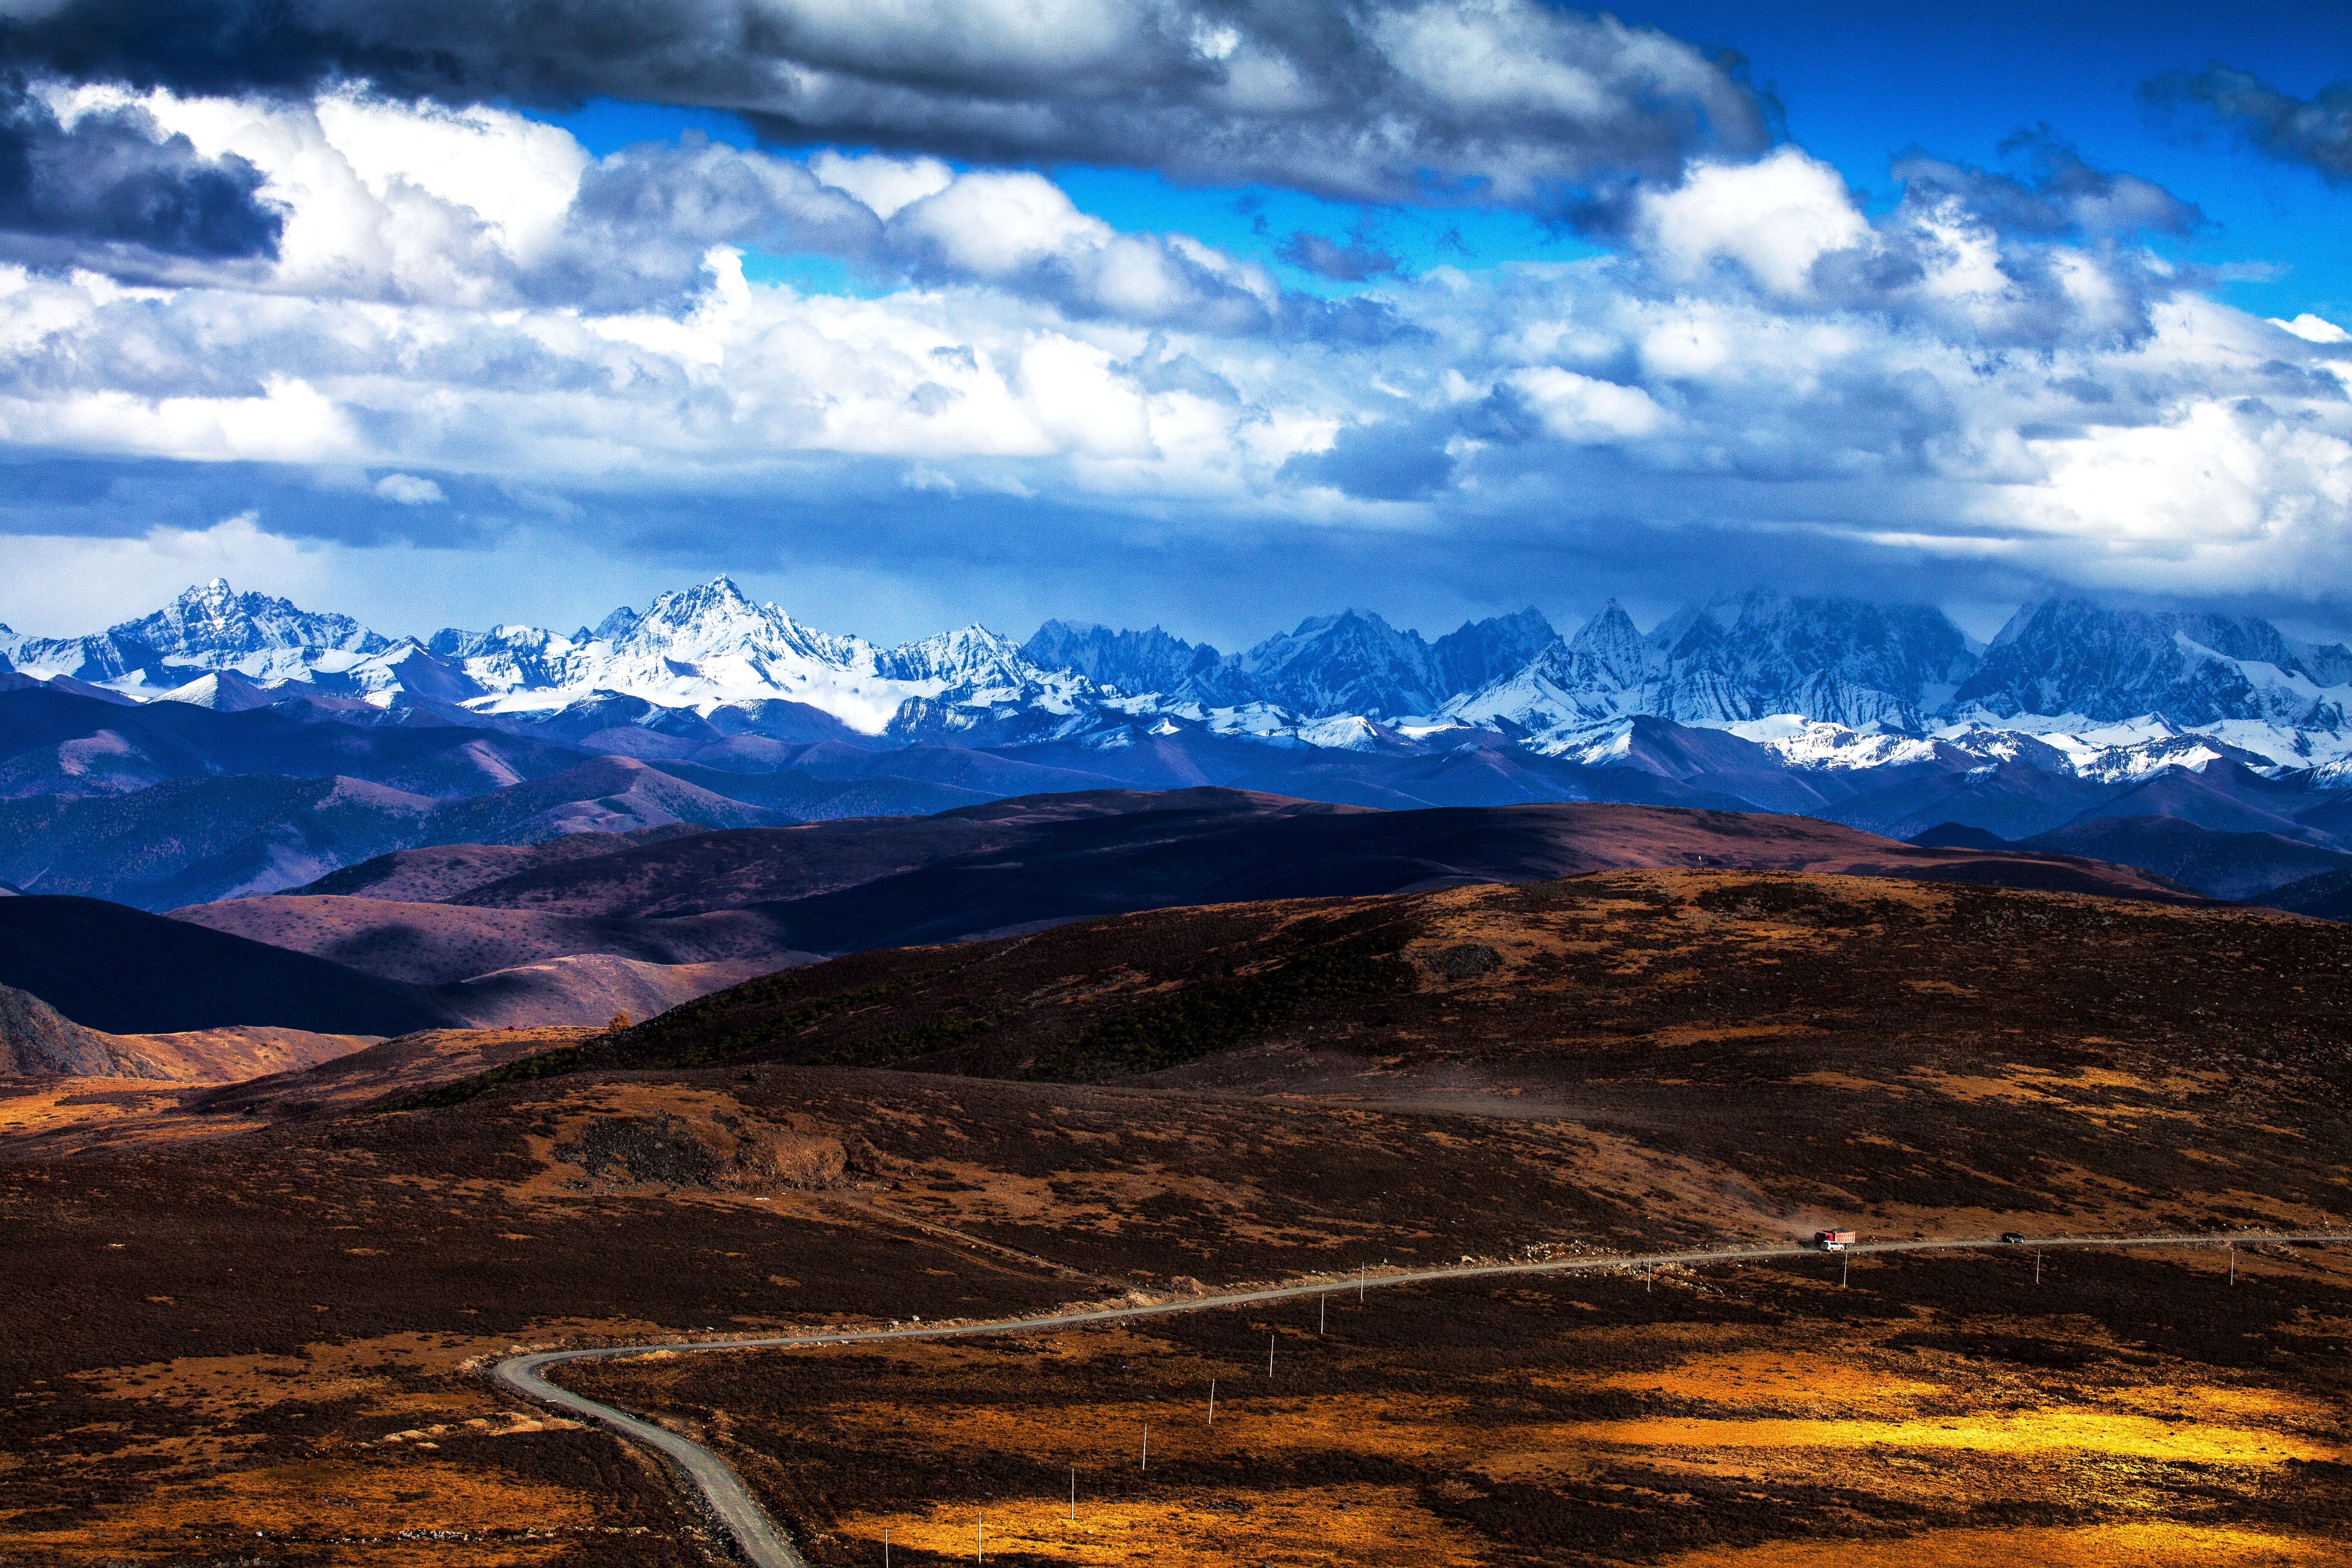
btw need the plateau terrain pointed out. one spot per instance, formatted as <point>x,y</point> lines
<point>253,1318</point>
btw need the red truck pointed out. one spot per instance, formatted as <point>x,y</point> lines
<point>1832,1240</point>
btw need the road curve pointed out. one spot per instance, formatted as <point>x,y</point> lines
<point>764,1544</point>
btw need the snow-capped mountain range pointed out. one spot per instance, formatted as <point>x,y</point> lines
<point>1822,685</point>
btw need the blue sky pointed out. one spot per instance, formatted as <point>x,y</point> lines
<point>1143,314</point>
<point>1857,84</point>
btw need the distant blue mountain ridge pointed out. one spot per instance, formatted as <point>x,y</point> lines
<point>1886,717</point>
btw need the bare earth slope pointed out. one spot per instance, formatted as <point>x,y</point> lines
<point>36,1041</point>
<point>592,987</point>
<point>433,945</point>
<point>1634,979</point>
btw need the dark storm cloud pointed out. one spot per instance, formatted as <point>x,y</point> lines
<point>112,186</point>
<point>2314,132</point>
<point>1506,102</point>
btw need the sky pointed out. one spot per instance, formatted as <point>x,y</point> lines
<point>1204,313</point>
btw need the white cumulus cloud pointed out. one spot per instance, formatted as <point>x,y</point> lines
<point>407,489</point>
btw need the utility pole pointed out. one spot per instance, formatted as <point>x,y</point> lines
<point>1322,1306</point>
<point>980,1540</point>
<point>2232,1247</point>
<point>1147,1447</point>
<point>1362,1271</point>
<point>1269,1355</point>
<point>886,1546</point>
<point>1074,1497</point>
<point>1212,1402</point>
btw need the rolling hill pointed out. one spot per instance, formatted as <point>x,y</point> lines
<point>435,943</point>
<point>832,887</point>
<point>125,972</point>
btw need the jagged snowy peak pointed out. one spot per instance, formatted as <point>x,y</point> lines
<point>1825,685</point>
<point>971,656</point>
<point>698,647</point>
<point>510,658</point>
<point>1816,743</point>
<point>2069,656</point>
<point>2100,756</point>
<point>1480,653</point>
<point>717,623</point>
<point>1353,662</point>
<point>710,647</point>
<point>99,660</point>
<point>219,628</point>
<point>1567,686</point>
<point>406,669</point>
<point>1128,661</point>
<point>1608,653</point>
<point>211,626</point>
<point>1736,659</point>
<point>1751,655</point>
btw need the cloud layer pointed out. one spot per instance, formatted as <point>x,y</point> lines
<point>480,319</point>
<point>1504,101</point>
<point>235,275</point>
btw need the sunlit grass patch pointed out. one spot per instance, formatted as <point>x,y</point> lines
<point>1356,1525</point>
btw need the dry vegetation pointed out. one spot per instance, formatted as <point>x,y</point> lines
<point>1716,1417</point>
<point>216,1336</point>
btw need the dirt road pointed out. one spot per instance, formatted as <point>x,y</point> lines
<point>765,1544</point>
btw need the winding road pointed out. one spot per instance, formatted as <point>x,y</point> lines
<point>761,1542</point>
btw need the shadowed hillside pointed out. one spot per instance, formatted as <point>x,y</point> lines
<point>1020,865</point>
<point>127,973</point>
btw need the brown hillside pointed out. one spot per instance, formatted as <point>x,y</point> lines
<point>266,1335</point>
<point>890,881</point>
<point>1646,971</point>
<point>1019,864</point>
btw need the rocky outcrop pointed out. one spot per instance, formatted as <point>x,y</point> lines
<point>37,1041</point>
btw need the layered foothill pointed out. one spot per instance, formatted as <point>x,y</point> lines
<point>844,886</point>
<point>121,969</point>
